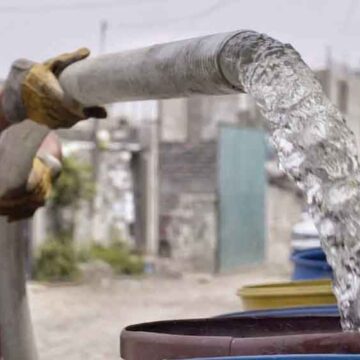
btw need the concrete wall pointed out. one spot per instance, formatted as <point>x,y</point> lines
<point>188,168</point>
<point>283,210</point>
<point>205,113</point>
<point>191,232</point>
<point>115,202</point>
<point>343,88</point>
<point>196,119</point>
<point>353,106</point>
<point>187,175</point>
<point>174,120</point>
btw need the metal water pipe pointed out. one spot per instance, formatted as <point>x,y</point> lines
<point>204,65</point>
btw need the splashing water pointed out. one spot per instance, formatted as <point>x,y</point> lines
<point>317,150</point>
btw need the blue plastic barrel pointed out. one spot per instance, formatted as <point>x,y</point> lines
<point>288,357</point>
<point>310,264</point>
<point>322,310</point>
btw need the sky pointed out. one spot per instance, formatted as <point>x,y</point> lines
<point>39,29</point>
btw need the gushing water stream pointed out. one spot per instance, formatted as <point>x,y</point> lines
<point>318,151</point>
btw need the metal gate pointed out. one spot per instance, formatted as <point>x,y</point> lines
<point>241,186</point>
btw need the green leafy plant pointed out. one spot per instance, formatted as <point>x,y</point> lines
<point>75,183</point>
<point>56,260</point>
<point>83,255</point>
<point>119,257</point>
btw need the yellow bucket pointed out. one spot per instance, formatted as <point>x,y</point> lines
<point>287,294</point>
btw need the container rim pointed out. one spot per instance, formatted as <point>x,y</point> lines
<point>298,288</point>
<point>304,257</point>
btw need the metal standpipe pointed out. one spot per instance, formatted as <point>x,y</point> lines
<point>205,65</point>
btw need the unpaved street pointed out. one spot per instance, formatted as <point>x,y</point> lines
<point>84,321</point>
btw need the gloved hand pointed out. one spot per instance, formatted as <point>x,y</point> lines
<point>32,91</point>
<point>25,202</point>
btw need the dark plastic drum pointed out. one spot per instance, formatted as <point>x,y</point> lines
<point>287,357</point>
<point>310,264</point>
<point>219,337</point>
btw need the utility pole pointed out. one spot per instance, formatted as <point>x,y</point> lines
<point>96,155</point>
<point>102,45</point>
<point>152,183</point>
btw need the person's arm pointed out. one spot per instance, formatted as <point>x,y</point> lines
<point>46,167</point>
<point>32,91</point>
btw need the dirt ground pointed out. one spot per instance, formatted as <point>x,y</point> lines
<point>84,321</point>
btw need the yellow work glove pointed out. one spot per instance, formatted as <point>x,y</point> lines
<point>25,202</point>
<point>32,91</point>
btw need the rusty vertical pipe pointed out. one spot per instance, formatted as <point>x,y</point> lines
<point>17,338</point>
